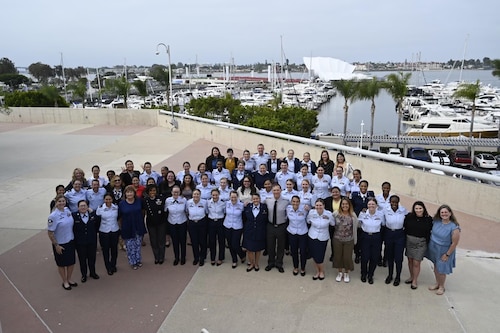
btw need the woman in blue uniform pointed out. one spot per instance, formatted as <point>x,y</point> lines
<point>85,228</point>
<point>442,246</point>
<point>296,214</point>
<point>109,231</point>
<point>371,222</point>
<point>320,219</point>
<point>394,238</point>
<point>60,232</point>
<point>255,219</point>
<point>233,226</point>
<point>196,209</point>
<point>175,206</point>
<point>216,212</point>
<point>133,229</point>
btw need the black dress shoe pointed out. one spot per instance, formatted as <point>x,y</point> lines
<point>321,278</point>
<point>295,273</point>
<point>370,280</point>
<point>234,265</point>
<point>176,262</point>
<point>110,272</point>
<point>183,261</point>
<point>315,278</point>
<point>66,288</point>
<point>396,282</point>
<point>269,267</point>
<point>356,260</point>
<point>384,263</point>
<point>195,262</point>
<point>388,280</point>
<point>363,279</point>
<point>281,270</point>
<point>303,273</point>
<point>212,263</point>
<point>156,262</point>
<point>160,262</point>
<point>249,269</point>
<point>257,269</point>
<point>84,279</point>
<point>219,263</point>
<point>380,263</point>
<point>202,263</point>
<point>94,276</point>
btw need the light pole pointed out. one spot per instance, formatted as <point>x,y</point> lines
<point>171,97</point>
<point>361,137</point>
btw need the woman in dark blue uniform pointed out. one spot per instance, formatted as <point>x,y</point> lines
<point>155,222</point>
<point>255,219</point>
<point>85,229</point>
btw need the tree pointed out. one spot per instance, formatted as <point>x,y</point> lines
<point>41,72</point>
<point>348,89</point>
<point>368,90</point>
<point>160,74</point>
<point>79,89</point>
<point>397,86</point>
<point>14,80</point>
<point>496,67</point>
<point>32,99</point>
<point>120,87</point>
<point>7,66</point>
<point>51,93</point>
<point>142,88</point>
<point>469,91</point>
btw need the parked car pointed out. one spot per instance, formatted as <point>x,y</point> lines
<point>460,158</point>
<point>486,161</point>
<point>418,153</point>
<point>497,157</point>
<point>394,152</point>
<point>495,173</point>
<point>455,175</point>
<point>439,156</point>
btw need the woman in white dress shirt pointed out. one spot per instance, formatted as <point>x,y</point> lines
<point>176,208</point>
<point>320,219</point>
<point>394,238</point>
<point>297,234</point>
<point>321,187</point>
<point>216,213</point>
<point>289,192</point>
<point>233,226</point>
<point>371,222</point>
<point>109,232</point>
<point>197,226</point>
<point>307,199</point>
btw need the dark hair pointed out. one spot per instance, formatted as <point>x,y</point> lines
<point>151,187</point>
<point>253,190</point>
<point>363,181</point>
<point>59,186</point>
<point>80,201</point>
<point>147,163</point>
<point>192,185</point>
<point>386,183</point>
<point>327,154</point>
<point>108,195</point>
<point>95,166</point>
<point>128,161</point>
<point>394,196</point>
<point>419,203</point>
<point>229,150</point>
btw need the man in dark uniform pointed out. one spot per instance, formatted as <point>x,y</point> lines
<point>85,229</point>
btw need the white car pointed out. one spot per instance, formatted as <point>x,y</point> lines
<point>486,161</point>
<point>394,152</point>
<point>495,173</point>
<point>439,156</point>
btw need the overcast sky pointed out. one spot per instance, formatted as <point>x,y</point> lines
<point>101,33</point>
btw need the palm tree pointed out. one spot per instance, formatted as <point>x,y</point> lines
<point>348,89</point>
<point>469,91</point>
<point>368,90</point>
<point>397,86</point>
<point>142,89</point>
<point>120,87</point>
<point>79,89</point>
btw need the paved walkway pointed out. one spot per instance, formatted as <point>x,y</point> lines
<point>35,158</point>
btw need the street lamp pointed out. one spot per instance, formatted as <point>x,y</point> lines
<point>171,97</point>
<point>361,137</point>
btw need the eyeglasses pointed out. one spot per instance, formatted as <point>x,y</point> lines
<point>118,180</point>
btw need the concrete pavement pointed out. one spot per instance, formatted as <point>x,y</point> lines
<point>35,158</point>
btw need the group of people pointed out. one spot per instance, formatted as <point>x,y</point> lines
<point>253,204</point>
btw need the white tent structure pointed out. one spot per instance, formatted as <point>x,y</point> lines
<point>331,69</point>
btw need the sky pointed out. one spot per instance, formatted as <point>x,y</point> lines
<point>105,33</point>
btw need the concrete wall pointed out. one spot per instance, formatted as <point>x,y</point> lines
<point>472,198</point>
<point>121,117</point>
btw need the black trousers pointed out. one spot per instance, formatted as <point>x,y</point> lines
<point>86,257</point>
<point>276,238</point>
<point>234,240</point>
<point>216,238</point>
<point>109,245</point>
<point>394,248</point>
<point>157,234</point>
<point>198,233</point>
<point>178,232</point>
<point>298,249</point>
<point>370,253</point>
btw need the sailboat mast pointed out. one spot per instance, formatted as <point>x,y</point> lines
<point>64,78</point>
<point>463,58</point>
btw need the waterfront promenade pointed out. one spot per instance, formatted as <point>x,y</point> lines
<point>37,157</point>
